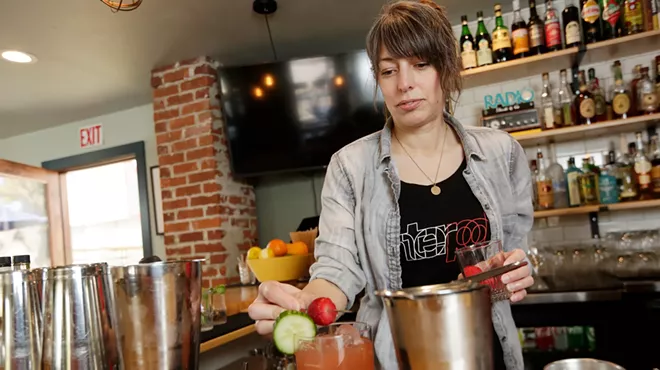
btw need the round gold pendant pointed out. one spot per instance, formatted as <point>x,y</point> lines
<point>435,190</point>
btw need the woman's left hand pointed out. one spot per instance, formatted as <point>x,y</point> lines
<point>518,280</point>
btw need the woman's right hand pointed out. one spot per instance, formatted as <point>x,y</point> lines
<point>275,297</point>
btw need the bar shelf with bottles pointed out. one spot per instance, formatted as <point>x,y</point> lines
<point>596,30</point>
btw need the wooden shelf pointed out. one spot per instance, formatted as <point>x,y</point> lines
<point>562,59</point>
<point>587,131</point>
<point>519,68</point>
<point>640,204</point>
<point>219,341</point>
<point>622,47</point>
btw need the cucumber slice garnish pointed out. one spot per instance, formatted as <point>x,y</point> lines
<point>289,326</point>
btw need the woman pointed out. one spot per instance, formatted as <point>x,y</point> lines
<point>422,173</point>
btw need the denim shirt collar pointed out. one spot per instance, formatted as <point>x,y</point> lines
<point>471,148</point>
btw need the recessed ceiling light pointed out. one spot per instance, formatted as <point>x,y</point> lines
<point>18,56</point>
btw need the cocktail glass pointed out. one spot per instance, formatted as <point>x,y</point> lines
<point>339,346</point>
<point>482,257</point>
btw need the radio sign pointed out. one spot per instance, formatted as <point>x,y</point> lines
<point>91,136</point>
<point>509,98</point>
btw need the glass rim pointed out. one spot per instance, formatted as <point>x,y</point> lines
<point>480,245</point>
<point>328,336</point>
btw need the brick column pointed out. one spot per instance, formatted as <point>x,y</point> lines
<point>208,214</point>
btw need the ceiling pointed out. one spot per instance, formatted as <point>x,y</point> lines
<point>92,61</point>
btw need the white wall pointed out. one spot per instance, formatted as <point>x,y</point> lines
<point>119,128</point>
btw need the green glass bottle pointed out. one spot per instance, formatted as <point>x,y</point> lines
<point>468,52</point>
<point>502,49</point>
<point>483,42</point>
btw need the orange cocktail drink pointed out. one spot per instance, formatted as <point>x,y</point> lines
<point>340,346</point>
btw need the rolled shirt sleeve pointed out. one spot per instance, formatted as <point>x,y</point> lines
<point>336,251</point>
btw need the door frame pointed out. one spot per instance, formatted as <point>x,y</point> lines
<point>56,245</point>
<point>106,156</point>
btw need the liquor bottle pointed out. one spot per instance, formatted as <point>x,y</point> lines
<point>519,33</point>
<point>569,117</point>
<point>589,192</point>
<point>642,169</point>
<point>649,12</point>
<point>533,167</point>
<point>624,172</point>
<point>502,50</point>
<point>544,184</point>
<point>607,181</point>
<point>647,98</point>
<point>552,28</point>
<point>591,27</point>
<point>634,104</point>
<point>536,31</point>
<point>586,106</point>
<point>570,18</point>
<point>632,16</point>
<point>547,104</point>
<point>484,51</point>
<point>572,181</point>
<point>612,19</point>
<point>468,52</point>
<point>655,165</point>
<point>598,95</point>
<point>620,96</point>
<point>657,74</point>
<point>556,174</point>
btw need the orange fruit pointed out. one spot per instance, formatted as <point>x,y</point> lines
<point>297,248</point>
<point>278,247</point>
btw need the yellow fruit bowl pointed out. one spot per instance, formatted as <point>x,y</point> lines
<point>285,268</point>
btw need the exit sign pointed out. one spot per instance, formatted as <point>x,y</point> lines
<point>91,136</point>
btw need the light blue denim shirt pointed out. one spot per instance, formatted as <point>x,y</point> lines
<point>358,245</point>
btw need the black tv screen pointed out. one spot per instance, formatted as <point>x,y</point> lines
<point>292,116</point>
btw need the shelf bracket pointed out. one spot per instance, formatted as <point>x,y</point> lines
<point>593,223</point>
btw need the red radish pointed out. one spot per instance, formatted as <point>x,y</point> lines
<point>471,271</point>
<point>323,311</point>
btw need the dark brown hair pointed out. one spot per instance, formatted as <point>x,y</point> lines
<point>417,29</point>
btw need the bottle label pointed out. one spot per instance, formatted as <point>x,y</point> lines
<point>655,178</point>
<point>590,11</point>
<point>536,35</point>
<point>649,101</point>
<point>621,103</point>
<point>588,108</point>
<point>552,33</point>
<point>572,32</point>
<point>601,105</point>
<point>549,117</point>
<point>501,39</point>
<point>573,188</point>
<point>468,55</point>
<point>484,54</point>
<point>520,41</point>
<point>612,12</point>
<point>546,198</point>
<point>609,190</point>
<point>643,171</point>
<point>633,13</point>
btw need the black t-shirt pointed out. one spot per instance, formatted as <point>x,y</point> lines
<point>433,227</point>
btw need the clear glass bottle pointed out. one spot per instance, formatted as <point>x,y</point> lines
<point>547,104</point>
<point>607,180</point>
<point>598,95</point>
<point>642,169</point>
<point>556,174</point>
<point>655,163</point>
<point>544,184</point>
<point>620,96</point>
<point>566,100</point>
<point>647,98</point>
<point>572,181</point>
<point>589,193</point>
<point>624,172</point>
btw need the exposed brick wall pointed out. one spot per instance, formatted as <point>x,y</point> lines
<point>208,214</point>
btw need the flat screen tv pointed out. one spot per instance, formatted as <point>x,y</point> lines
<point>293,115</point>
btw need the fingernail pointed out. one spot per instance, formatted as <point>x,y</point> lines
<point>505,279</point>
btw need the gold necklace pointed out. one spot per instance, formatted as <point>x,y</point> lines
<point>435,189</point>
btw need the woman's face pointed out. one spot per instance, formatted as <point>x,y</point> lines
<point>411,88</point>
